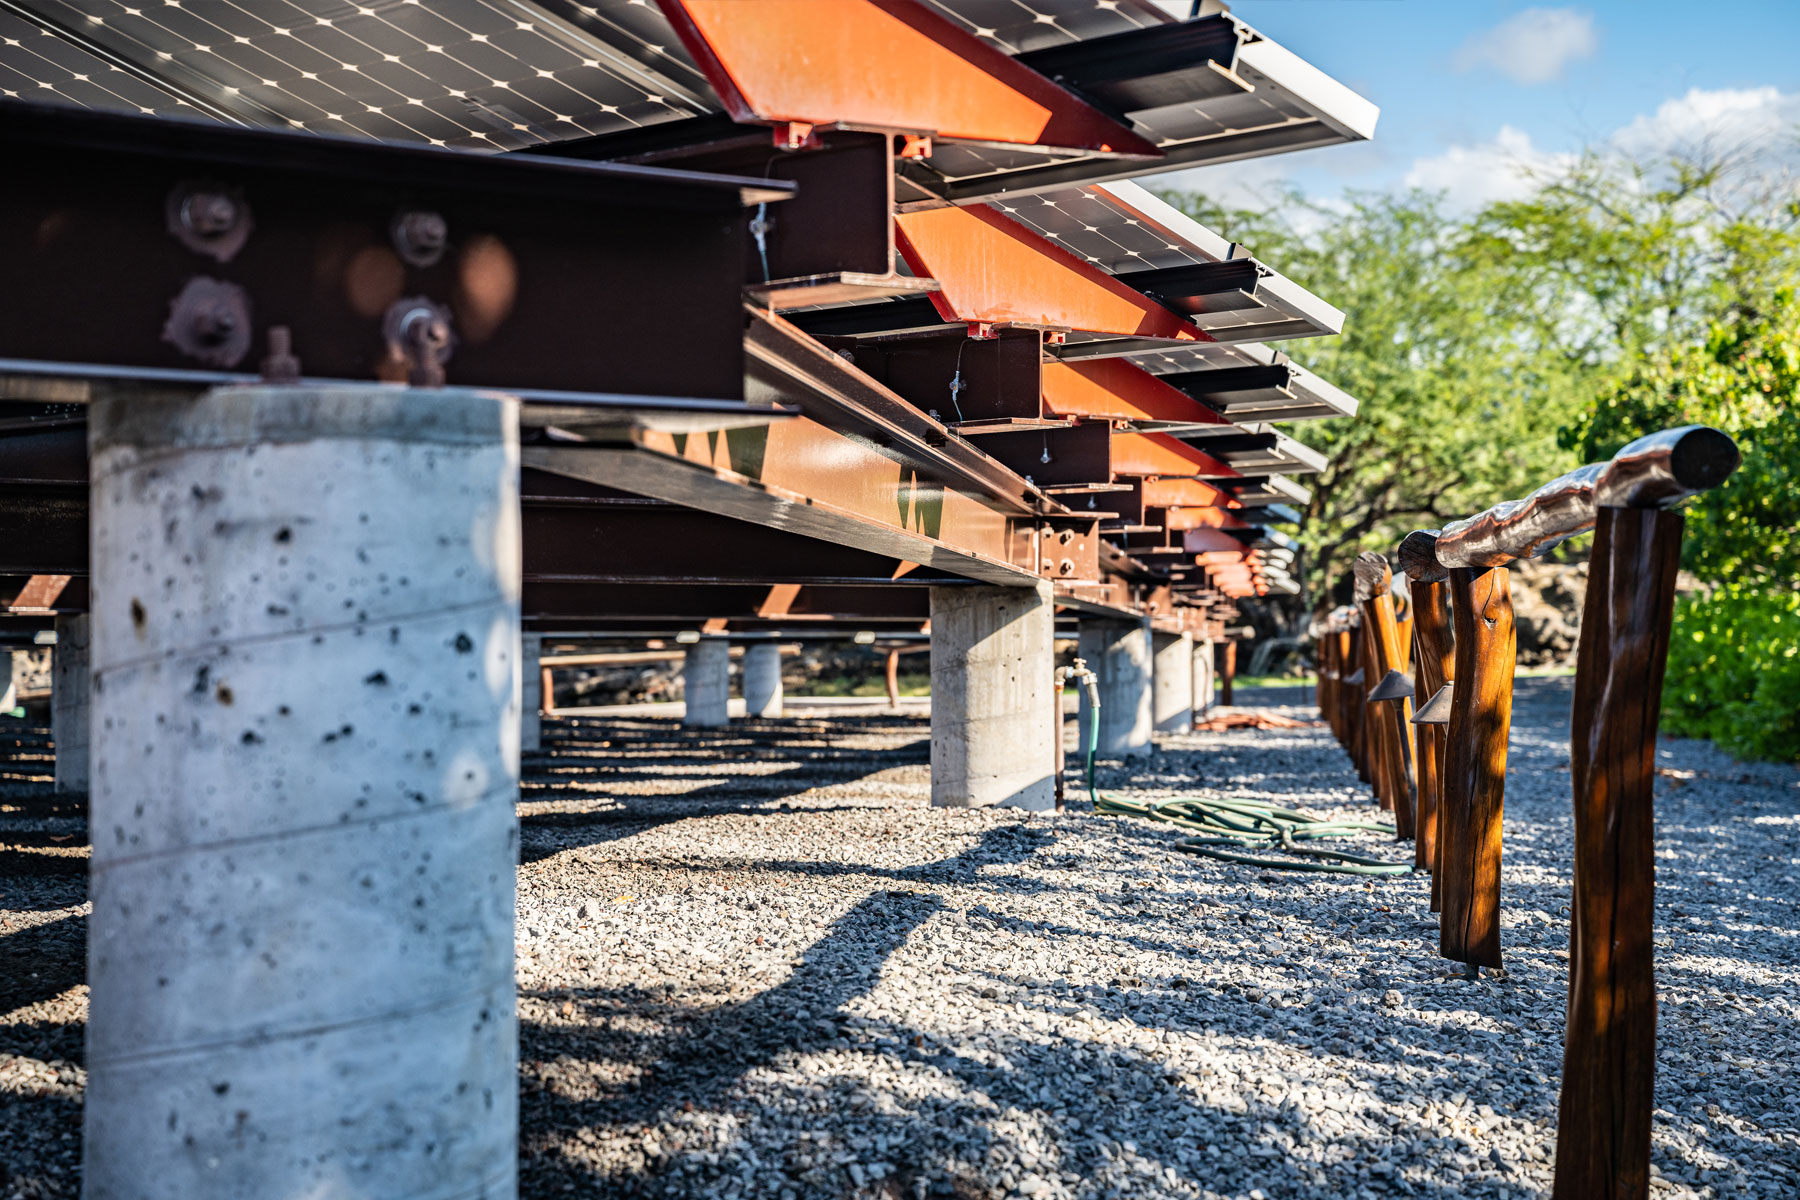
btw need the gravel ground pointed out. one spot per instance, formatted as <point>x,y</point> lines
<point>753,962</point>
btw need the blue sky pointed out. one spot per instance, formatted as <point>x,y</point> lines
<point>1470,89</point>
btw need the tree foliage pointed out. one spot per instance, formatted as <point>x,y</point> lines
<point>1494,350</point>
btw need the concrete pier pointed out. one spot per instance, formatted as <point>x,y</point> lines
<point>1203,678</point>
<point>1119,653</point>
<point>70,689</point>
<point>706,683</point>
<point>305,773</point>
<point>762,680</point>
<point>531,692</point>
<point>1172,671</point>
<point>994,711</point>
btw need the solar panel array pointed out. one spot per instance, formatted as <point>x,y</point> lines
<point>478,74</point>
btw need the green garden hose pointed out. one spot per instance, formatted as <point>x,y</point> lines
<point>1246,824</point>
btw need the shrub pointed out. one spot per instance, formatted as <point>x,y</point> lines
<point>1734,672</point>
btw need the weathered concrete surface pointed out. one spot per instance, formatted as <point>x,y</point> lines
<point>305,771</point>
<point>994,707</point>
<point>706,683</point>
<point>762,679</point>
<point>531,692</point>
<point>71,685</point>
<point>1119,653</point>
<point>1172,682</point>
<point>1203,677</point>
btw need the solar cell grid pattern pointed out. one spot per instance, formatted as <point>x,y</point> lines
<point>37,65</point>
<point>1092,226</point>
<point>480,74</point>
<point>1016,26</point>
<point>1267,106</point>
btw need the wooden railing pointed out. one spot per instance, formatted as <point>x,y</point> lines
<point>1443,770</point>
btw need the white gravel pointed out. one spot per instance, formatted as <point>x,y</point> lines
<point>755,963</point>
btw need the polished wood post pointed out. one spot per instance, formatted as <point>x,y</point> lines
<point>1609,1054</point>
<point>1474,785</point>
<point>1431,658</point>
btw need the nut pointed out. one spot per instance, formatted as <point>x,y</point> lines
<point>210,321</point>
<point>209,219</point>
<point>420,237</point>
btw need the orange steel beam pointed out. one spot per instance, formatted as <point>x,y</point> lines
<point>883,64</point>
<point>1192,493</point>
<point>1162,455</point>
<point>993,270</point>
<point>1180,520</point>
<point>1210,541</point>
<point>1117,389</point>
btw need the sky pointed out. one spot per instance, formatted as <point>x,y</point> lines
<point>1471,90</point>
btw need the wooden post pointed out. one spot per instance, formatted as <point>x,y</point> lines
<point>1228,672</point>
<point>1431,641</point>
<point>893,682</point>
<point>1353,706</point>
<point>1388,718</point>
<point>548,692</point>
<point>1609,1055</point>
<point>1474,786</point>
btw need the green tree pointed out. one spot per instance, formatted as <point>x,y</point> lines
<point>1744,378</point>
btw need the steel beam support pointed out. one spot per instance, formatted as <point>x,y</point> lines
<point>1115,389</point>
<point>993,270</point>
<point>553,277</point>
<point>883,64</point>
<point>1163,456</point>
<point>861,467</point>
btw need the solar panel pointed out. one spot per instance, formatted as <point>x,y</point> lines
<point>1017,26</point>
<point>481,74</point>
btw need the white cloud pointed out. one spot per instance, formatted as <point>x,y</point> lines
<point>1533,46</point>
<point>1471,176</point>
<point>1728,122</point>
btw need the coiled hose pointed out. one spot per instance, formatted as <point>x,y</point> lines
<point>1228,827</point>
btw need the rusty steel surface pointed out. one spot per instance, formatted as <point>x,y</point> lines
<point>885,64</point>
<point>557,277</point>
<point>861,467</point>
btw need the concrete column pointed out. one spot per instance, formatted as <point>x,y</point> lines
<point>1203,677</point>
<point>70,685</point>
<point>762,680</point>
<point>1172,671</point>
<point>531,692</point>
<point>993,697</point>
<point>1119,653</point>
<point>706,683</point>
<point>305,773</point>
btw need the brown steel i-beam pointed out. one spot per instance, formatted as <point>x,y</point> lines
<point>860,467</point>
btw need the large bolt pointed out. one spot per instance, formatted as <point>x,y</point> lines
<point>420,237</point>
<point>209,214</point>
